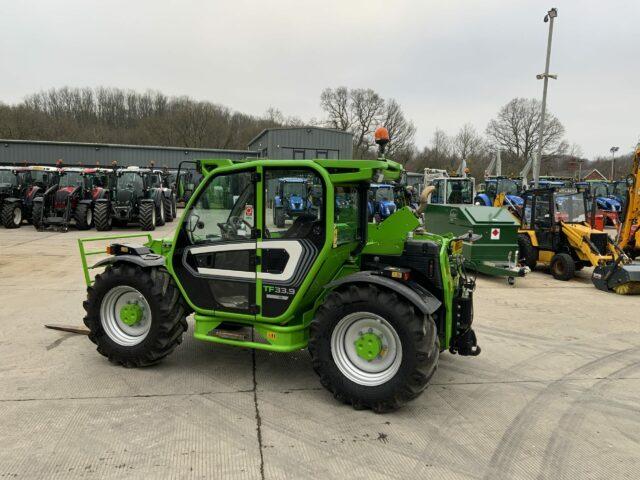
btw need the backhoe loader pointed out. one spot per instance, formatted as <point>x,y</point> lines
<point>554,231</point>
<point>629,232</point>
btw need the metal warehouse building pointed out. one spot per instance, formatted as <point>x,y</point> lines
<point>303,143</point>
<point>277,143</point>
<point>30,151</point>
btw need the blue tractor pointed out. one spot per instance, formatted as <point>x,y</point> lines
<point>381,201</point>
<point>602,194</point>
<point>293,199</point>
<point>494,187</point>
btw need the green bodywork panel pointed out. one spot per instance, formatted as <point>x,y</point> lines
<point>289,331</point>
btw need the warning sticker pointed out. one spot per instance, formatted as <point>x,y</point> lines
<point>495,234</point>
<point>248,213</point>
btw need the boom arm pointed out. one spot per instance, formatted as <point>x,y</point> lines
<point>632,210</point>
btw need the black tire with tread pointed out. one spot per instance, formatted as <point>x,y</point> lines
<point>80,216</point>
<point>419,338</point>
<point>279,218</point>
<point>6,214</point>
<point>168,312</point>
<point>146,216</point>
<point>527,253</point>
<point>102,217</point>
<point>36,214</point>
<point>160,212</point>
<point>168,210</point>
<point>562,266</point>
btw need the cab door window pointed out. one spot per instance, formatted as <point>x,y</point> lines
<point>217,245</point>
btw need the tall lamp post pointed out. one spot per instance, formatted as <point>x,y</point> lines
<point>613,151</point>
<point>549,17</point>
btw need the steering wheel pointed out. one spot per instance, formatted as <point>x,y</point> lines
<point>232,225</point>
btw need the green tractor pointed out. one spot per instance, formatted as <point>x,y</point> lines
<point>375,304</point>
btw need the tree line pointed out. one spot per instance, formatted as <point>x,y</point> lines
<point>113,115</point>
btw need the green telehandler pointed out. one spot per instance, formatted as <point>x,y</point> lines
<point>375,304</point>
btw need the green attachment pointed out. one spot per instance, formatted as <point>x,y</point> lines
<point>131,314</point>
<point>368,346</point>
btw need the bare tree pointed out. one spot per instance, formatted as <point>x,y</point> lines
<point>467,143</point>
<point>515,129</point>
<point>401,131</point>
<point>360,111</point>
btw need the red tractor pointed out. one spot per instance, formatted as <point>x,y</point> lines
<point>72,198</point>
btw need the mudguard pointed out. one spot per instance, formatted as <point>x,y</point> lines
<point>88,202</point>
<point>146,260</point>
<point>484,199</point>
<point>420,297</point>
<point>11,200</point>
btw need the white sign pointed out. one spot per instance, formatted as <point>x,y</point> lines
<point>495,234</point>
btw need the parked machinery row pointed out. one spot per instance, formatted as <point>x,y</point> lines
<point>58,197</point>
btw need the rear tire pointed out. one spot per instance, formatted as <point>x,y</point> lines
<point>527,253</point>
<point>160,213</point>
<point>36,214</point>
<point>102,217</point>
<point>11,215</point>
<point>161,325</point>
<point>279,218</point>
<point>168,210</point>
<point>148,216</point>
<point>405,331</point>
<point>563,267</point>
<point>83,216</point>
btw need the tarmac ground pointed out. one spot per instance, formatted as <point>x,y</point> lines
<point>555,393</point>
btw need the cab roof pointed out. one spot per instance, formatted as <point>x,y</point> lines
<point>340,171</point>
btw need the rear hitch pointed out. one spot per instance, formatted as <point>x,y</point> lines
<point>466,344</point>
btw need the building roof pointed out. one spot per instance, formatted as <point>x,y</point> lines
<point>111,145</point>
<point>324,129</point>
<point>596,172</point>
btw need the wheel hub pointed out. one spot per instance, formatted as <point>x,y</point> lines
<point>368,346</point>
<point>131,314</point>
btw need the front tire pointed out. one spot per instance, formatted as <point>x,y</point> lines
<point>563,267</point>
<point>160,213</point>
<point>372,348</point>
<point>168,210</point>
<point>148,216</point>
<point>102,217</point>
<point>11,215</point>
<point>127,339</point>
<point>37,213</point>
<point>83,216</point>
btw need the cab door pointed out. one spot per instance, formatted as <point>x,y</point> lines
<point>215,252</point>
<point>289,249</point>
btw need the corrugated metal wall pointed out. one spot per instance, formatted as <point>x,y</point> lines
<point>19,151</point>
<point>305,142</point>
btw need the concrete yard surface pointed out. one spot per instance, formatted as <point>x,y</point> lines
<point>555,393</point>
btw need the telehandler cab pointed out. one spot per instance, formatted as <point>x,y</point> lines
<point>554,231</point>
<point>375,304</point>
<point>629,232</point>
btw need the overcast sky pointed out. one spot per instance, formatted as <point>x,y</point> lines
<point>446,62</point>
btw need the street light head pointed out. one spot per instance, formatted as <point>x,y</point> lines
<point>553,13</point>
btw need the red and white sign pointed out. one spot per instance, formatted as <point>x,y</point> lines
<point>495,234</point>
<point>248,213</point>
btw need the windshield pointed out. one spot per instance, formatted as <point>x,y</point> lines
<point>459,191</point>
<point>7,176</point>
<point>510,187</point>
<point>41,176</point>
<point>129,181</point>
<point>155,180</point>
<point>599,190</point>
<point>384,194</point>
<point>71,179</point>
<point>297,189</point>
<point>620,189</point>
<point>570,208</point>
